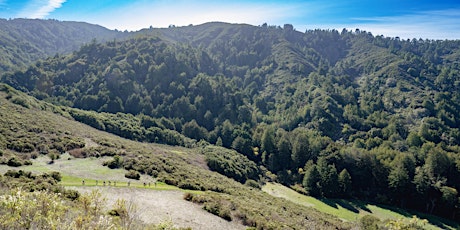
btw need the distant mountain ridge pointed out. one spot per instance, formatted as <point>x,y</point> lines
<point>24,41</point>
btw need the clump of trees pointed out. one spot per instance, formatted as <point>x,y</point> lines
<point>230,164</point>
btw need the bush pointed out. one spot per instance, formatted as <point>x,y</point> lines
<point>71,194</point>
<point>218,209</point>
<point>17,174</point>
<point>20,101</point>
<point>170,181</point>
<point>131,174</point>
<point>22,147</point>
<point>78,153</point>
<point>34,155</point>
<point>230,163</point>
<point>117,162</point>
<point>188,196</point>
<point>369,222</point>
<point>190,185</point>
<point>56,175</point>
<point>13,162</point>
<point>253,184</point>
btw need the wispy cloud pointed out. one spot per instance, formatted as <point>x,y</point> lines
<point>40,8</point>
<point>438,24</point>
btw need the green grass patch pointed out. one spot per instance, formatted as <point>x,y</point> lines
<point>291,195</point>
<point>90,170</point>
<point>78,181</point>
<point>353,210</point>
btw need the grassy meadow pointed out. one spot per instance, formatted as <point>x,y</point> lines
<point>353,210</point>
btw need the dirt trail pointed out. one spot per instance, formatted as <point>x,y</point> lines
<point>158,206</point>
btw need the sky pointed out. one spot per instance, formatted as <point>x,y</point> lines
<point>407,19</point>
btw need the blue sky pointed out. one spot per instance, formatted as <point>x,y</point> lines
<point>432,19</point>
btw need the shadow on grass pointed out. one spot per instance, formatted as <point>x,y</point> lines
<point>434,220</point>
<point>352,206</point>
<point>357,206</point>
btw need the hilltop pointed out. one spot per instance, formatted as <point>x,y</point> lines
<point>25,41</point>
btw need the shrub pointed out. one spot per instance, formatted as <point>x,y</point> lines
<point>17,174</point>
<point>53,156</point>
<point>22,147</point>
<point>197,199</point>
<point>78,153</point>
<point>71,194</point>
<point>369,222</point>
<point>170,181</point>
<point>13,162</point>
<point>218,209</point>
<point>56,175</point>
<point>188,196</point>
<point>188,184</point>
<point>131,174</point>
<point>230,163</point>
<point>20,101</point>
<point>253,184</point>
<point>34,155</point>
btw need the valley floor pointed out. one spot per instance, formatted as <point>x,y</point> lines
<point>155,202</point>
<point>157,206</point>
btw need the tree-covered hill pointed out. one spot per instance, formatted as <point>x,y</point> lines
<point>24,41</point>
<point>377,115</point>
<point>33,129</point>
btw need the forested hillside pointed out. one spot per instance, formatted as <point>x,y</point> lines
<point>24,41</point>
<point>33,131</point>
<point>378,116</point>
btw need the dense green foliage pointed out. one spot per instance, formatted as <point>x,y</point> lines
<point>26,40</point>
<point>184,167</point>
<point>377,116</point>
<point>140,128</point>
<point>230,163</point>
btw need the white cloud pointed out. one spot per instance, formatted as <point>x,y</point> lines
<point>40,8</point>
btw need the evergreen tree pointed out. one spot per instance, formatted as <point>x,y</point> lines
<point>300,150</point>
<point>329,179</point>
<point>283,156</point>
<point>311,181</point>
<point>268,147</point>
<point>345,183</point>
<point>399,182</point>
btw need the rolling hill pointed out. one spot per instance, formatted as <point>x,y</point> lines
<point>35,129</point>
<point>376,116</point>
<point>25,41</point>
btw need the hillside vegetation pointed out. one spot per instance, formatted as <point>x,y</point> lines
<point>50,131</point>
<point>333,114</point>
<point>25,41</point>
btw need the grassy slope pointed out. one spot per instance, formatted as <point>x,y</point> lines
<point>27,120</point>
<point>353,210</point>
